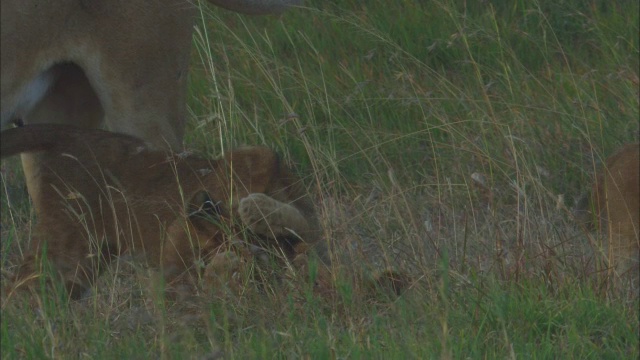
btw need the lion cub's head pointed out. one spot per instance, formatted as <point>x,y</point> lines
<point>183,210</point>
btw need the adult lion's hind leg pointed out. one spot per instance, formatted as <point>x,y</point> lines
<point>71,100</point>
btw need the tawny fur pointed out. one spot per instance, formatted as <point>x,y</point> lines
<point>126,60</point>
<point>615,198</point>
<point>122,65</point>
<point>107,193</point>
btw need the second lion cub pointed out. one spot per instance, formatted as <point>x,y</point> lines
<point>613,206</point>
<point>107,193</point>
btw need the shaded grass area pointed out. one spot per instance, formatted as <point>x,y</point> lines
<point>475,320</point>
<point>446,138</point>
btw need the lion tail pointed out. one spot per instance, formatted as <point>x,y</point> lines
<point>49,137</point>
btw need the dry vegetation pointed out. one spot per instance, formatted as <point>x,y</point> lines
<point>445,141</point>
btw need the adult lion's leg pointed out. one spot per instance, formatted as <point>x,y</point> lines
<point>147,101</point>
<point>71,100</point>
<point>141,78</point>
<point>155,115</point>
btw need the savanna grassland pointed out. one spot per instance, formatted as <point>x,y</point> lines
<point>446,139</point>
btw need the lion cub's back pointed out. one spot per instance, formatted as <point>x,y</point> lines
<point>616,198</point>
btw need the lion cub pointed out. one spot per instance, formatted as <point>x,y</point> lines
<point>615,200</point>
<point>107,194</point>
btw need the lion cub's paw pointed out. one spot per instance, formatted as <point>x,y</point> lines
<point>266,216</point>
<point>392,280</point>
<point>223,272</point>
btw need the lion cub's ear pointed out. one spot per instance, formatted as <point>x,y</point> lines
<point>201,206</point>
<point>255,164</point>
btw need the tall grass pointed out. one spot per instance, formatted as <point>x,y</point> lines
<point>448,139</point>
